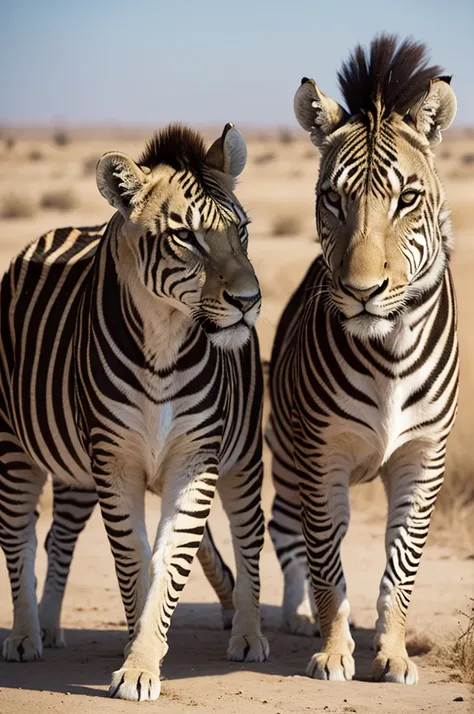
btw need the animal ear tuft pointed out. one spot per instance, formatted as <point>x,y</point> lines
<point>120,181</point>
<point>435,112</point>
<point>228,153</point>
<point>316,113</point>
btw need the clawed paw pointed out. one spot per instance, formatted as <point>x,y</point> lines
<point>248,648</point>
<point>22,648</point>
<point>398,669</point>
<point>135,685</point>
<point>332,667</point>
<point>53,637</point>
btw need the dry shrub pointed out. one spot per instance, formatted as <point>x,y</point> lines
<point>265,158</point>
<point>17,205</point>
<point>35,155</point>
<point>10,143</point>
<point>457,653</point>
<point>419,644</point>
<point>467,159</point>
<point>310,154</point>
<point>464,647</point>
<point>90,164</point>
<point>61,138</point>
<point>287,224</point>
<point>62,199</point>
<point>285,137</point>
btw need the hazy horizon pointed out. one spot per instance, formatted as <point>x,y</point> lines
<point>120,64</point>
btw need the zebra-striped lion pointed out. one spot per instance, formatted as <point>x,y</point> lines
<point>364,371</point>
<point>129,360</point>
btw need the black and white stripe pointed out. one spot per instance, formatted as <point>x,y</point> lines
<point>364,370</point>
<point>129,361</point>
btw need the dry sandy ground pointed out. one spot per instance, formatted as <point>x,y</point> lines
<point>278,183</point>
<point>198,677</point>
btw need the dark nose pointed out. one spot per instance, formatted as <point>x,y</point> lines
<point>362,292</point>
<point>243,302</point>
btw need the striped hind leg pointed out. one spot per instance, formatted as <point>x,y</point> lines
<point>219,576</point>
<point>241,498</point>
<point>299,609</point>
<point>71,511</point>
<point>412,481</point>
<point>21,483</point>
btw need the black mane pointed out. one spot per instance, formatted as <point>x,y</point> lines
<point>177,146</point>
<point>391,78</point>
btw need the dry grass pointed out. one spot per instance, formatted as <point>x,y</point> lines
<point>61,138</point>
<point>17,205</point>
<point>89,166</point>
<point>455,654</point>
<point>287,224</point>
<point>285,136</point>
<point>265,158</point>
<point>62,199</point>
<point>35,155</point>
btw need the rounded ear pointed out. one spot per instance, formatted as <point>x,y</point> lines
<point>120,181</point>
<point>436,110</point>
<point>228,153</point>
<point>317,113</point>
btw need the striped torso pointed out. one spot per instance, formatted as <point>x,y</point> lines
<point>358,402</point>
<point>77,377</point>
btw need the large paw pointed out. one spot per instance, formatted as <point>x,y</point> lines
<point>300,625</point>
<point>400,670</point>
<point>53,637</point>
<point>329,666</point>
<point>136,685</point>
<point>248,648</point>
<point>22,648</point>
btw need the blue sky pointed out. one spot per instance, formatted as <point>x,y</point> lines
<point>205,62</point>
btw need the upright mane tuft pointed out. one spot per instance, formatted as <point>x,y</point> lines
<point>177,146</point>
<point>391,78</point>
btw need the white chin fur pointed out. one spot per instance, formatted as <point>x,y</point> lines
<point>366,327</point>
<point>232,338</point>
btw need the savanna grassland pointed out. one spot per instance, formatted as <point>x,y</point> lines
<point>47,179</point>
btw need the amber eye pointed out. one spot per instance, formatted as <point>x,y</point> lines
<point>408,198</point>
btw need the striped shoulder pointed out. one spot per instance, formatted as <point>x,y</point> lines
<point>64,245</point>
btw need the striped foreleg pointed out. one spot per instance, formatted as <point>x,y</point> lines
<point>219,576</point>
<point>412,484</point>
<point>186,503</point>
<point>241,498</point>
<point>21,484</point>
<point>71,511</point>
<point>325,516</point>
<point>299,610</point>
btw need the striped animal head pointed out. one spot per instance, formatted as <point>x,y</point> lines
<point>186,230</point>
<point>380,208</point>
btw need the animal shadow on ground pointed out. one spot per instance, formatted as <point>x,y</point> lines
<point>197,648</point>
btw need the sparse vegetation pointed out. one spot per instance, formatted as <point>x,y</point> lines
<point>285,136</point>
<point>90,164</point>
<point>265,158</point>
<point>36,155</point>
<point>467,159</point>
<point>287,224</point>
<point>62,199</point>
<point>17,205</point>
<point>455,653</point>
<point>10,143</point>
<point>61,138</point>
